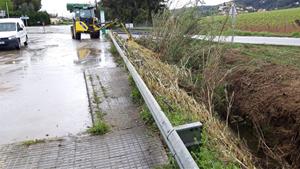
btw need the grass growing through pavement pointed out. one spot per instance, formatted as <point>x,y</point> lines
<point>100,127</point>
<point>32,142</point>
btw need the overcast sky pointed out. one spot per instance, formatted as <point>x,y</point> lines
<point>59,6</point>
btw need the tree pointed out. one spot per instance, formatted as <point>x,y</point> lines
<point>36,4</point>
<point>135,11</point>
<point>26,8</point>
<point>154,6</point>
<point>30,8</point>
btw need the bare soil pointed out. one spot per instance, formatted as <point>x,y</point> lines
<point>267,99</point>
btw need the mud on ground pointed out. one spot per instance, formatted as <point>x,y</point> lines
<point>267,100</point>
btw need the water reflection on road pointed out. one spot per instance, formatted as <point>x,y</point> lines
<point>42,88</point>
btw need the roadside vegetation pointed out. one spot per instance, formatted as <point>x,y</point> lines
<point>117,58</point>
<point>164,79</point>
<point>241,93</point>
<point>138,12</point>
<point>40,141</point>
<point>30,8</point>
<point>100,127</point>
<point>261,34</point>
<point>284,22</point>
<point>204,156</point>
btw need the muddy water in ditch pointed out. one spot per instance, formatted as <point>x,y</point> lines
<point>42,87</point>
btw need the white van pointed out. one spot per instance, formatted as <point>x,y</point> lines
<point>13,33</point>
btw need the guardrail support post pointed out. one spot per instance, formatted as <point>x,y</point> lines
<point>190,134</point>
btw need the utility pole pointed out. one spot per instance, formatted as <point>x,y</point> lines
<point>7,11</point>
<point>233,14</point>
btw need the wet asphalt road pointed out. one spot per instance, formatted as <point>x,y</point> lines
<point>42,87</point>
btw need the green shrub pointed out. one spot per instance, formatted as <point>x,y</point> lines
<point>99,128</point>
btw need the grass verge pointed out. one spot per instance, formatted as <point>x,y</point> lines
<point>282,55</point>
<point>262,34</point>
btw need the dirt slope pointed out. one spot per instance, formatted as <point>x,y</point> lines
<point>267,97</point>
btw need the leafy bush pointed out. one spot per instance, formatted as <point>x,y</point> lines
<point>35,18</point>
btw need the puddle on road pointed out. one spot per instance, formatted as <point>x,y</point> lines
<point>88,56</point>
<point>42,90</point>
<point>95,56</point>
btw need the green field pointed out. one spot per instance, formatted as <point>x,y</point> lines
<point>281,55</point>
<point>277,21</point>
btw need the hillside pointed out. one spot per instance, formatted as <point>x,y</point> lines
<point>268,4</point>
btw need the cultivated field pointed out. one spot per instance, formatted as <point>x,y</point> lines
<point>277,21</point>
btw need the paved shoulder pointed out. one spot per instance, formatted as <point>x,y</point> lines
<point>124,149</point>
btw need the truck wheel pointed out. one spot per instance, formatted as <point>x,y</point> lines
<point>95,35</point>
<point>72,32</point>
<point>18,45</point>
<point>78,36</point>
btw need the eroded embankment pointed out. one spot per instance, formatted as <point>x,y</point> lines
<point>267,104</point>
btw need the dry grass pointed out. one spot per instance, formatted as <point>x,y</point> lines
<point>162,79</point>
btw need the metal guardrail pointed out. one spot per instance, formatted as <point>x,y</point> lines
<point>171,137</point>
